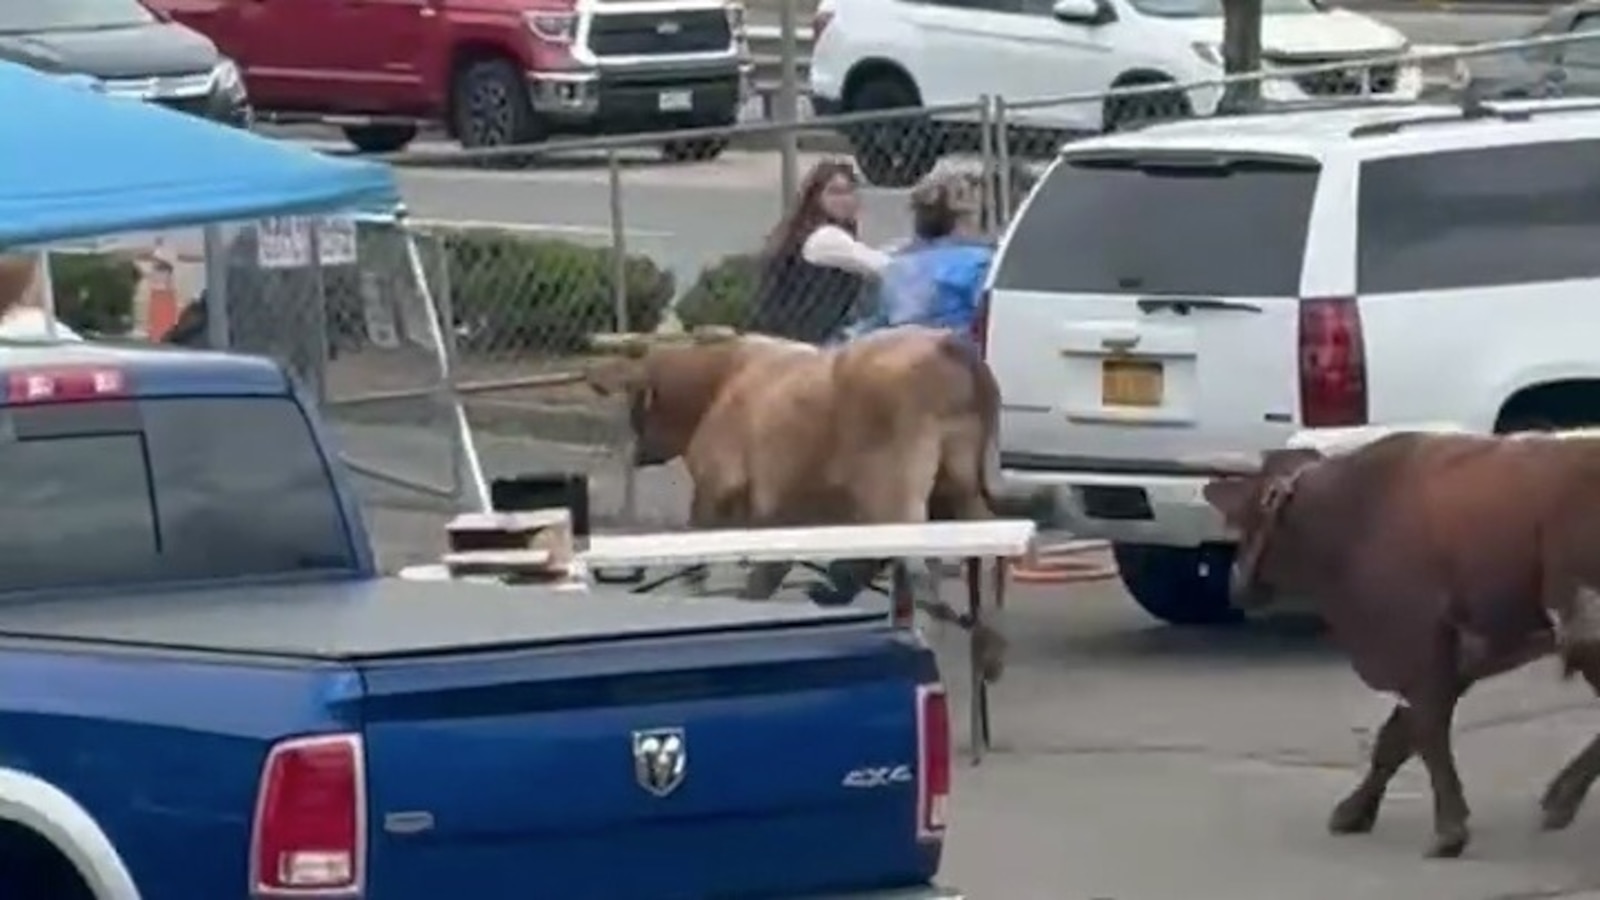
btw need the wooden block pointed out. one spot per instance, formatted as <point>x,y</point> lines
<point>519,564</point>
<point>549,530</point>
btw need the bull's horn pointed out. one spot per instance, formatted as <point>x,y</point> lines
<point>626,343</point>
<point>710,334</point>
<point>1225,464</point>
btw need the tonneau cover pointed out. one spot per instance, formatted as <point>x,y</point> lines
<point>389,617</point>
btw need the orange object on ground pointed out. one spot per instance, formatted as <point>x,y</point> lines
<point>1071,562</point>
<point>161,298</point>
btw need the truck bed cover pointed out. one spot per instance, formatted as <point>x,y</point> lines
<point>392,618</point>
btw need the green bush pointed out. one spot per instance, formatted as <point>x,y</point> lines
<point>523,294</point>
<point>722,293</point>
<point>95,291</point>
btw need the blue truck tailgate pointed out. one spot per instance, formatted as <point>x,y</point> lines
<point>526,743</point>
<point>693,767</point>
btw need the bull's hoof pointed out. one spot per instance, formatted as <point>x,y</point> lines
<point>1449,843</point>
<point>1556,818</point>
<point>1355,814</point>
<point>1558,807</point>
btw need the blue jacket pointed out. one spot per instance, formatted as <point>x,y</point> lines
<point>935,283</point>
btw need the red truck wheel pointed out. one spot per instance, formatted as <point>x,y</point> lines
<point>491,106</point>
<point>380,138</point>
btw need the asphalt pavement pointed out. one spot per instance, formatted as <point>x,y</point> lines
<point>1140,762</point>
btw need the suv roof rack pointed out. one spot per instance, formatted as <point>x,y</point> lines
<point>1289,107</point>
<point>1472,108</point>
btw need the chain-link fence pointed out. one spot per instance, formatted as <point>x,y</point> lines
<point>654,246</point>
<point>694,242</point>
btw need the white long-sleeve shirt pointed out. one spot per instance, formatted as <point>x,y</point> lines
<point>835,248</point>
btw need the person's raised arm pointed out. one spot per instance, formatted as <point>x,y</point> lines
<point>835,248</point>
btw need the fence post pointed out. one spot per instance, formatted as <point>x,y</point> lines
<point>215,248</point>
<point>619,296</point>
<point>1003,159</point>
<point>989,195</point>
<point>788,105</point>
<point>319,314</point>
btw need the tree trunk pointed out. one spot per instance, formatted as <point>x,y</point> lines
<point>1241,52</point>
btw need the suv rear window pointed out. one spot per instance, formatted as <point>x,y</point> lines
<point>1163,224</point>
<point>1478,218</point>
<point>164,490</point>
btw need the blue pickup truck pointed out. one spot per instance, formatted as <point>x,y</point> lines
<point>207,691</point>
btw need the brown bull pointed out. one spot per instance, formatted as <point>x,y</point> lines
<point>1437,560</point>
<point>895,427</point>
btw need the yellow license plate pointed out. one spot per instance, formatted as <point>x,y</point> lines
<point>1130,382</point>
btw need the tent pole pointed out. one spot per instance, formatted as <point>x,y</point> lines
<point>47,293</point>
<point>458,412</point>
<point>216,290</point>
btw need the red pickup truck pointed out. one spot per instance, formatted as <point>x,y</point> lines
<point>493,72</point>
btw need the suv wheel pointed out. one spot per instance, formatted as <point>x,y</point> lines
<point>895,153</point>
<point>1179,585</point>
<point>491,107</point>
<point>1122,113</point>
<point>697,150</point>
<point>380,138</point>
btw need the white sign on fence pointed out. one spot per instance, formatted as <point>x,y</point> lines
<point>284,242</point>
<point>336,240</point>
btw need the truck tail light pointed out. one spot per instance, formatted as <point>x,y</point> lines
<point>1333,363</point>
<point>933,761</point>
<point>64,384</point>
<point>980,325</point>
<point>309,835</point>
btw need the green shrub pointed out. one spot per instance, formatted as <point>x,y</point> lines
<point>95,291</point>
<point>722,293</point>
<point>523,294</point>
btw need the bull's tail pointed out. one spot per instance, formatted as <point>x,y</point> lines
<point>986,400</point>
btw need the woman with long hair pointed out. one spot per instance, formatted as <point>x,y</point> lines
<point>814,266</point>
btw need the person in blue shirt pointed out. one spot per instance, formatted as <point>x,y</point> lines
<point>937,278</point>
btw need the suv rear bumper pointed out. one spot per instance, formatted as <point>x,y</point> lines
<point>639,99</point>
<point>1178,512</point>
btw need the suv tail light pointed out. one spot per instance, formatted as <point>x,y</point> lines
<point>933,761</point>
<point>980,325</point>
<point>309,835</point>
<point>1333,363</point>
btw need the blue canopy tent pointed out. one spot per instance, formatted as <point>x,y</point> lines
<point>75,163</point>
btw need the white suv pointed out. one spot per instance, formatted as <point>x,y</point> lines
<point>883,54</point>
<point>1212,286</point>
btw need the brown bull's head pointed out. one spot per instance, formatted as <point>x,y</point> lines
<point>667,391</point>
<point>1252,498</point>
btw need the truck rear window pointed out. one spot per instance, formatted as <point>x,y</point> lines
<point>162,490</point>
<point>1165,224</point>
